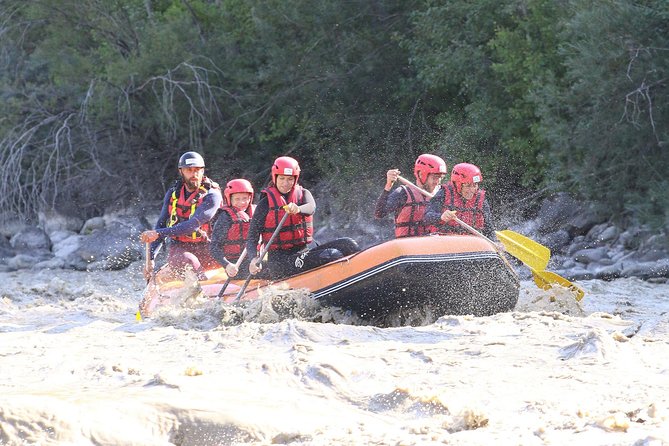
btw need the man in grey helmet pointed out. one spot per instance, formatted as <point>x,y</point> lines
<point>186,219</point>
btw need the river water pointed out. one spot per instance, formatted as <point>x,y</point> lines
<point>77,368</point>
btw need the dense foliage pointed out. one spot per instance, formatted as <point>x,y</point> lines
<point>100,97</point>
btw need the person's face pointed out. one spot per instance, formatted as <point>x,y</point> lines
<point>433,180</point>
<point>285,183</point>
<point>240,200</point>
<point>192,177</point>
<point>469,190</point>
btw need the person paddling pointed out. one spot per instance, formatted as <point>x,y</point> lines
<point>462,198</point>
<point>292,250</point>
<point>185,220</point>
<point>232,226</point>
<point>407,204</point>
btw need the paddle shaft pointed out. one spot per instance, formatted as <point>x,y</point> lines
<point>263,251</point>
<point>227,281</point>
<point>419,189</point>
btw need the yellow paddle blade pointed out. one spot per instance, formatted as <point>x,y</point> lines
<point>533,254</point>
<point>546,279</point>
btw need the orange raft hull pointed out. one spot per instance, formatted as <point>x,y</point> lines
<point>453,274</point>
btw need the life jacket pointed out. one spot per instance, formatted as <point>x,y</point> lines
<point>233,245</point>
<point>182,206</point>
<point>409,218</point>
<point>296,231</point>
<point>470,212</point>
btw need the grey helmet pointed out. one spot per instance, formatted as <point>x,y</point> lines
<point>191,159</point>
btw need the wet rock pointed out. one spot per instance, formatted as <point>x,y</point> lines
<point>608,272</point>
<point>92,224</point>
<point>591,215</point>
<point>52,221</point>
<point>53,263</point>
<point>116,246</point>
<point>609,234</point>
<point>30,238</point>
<point>591,255</point>
<point>557,241</point>
<point>71,244</point>
<point>25,261</point>
<point>6,250</point>
<point>556,212</point>
<point>646,270</point>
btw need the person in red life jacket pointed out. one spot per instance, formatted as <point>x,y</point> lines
<point>232,226</point>
<point>292,250</point>
<point>406,203</point>
<point>185,219</point>
<point>461,198</point>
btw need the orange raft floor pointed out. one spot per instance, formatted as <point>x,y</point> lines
<point>452,274</point>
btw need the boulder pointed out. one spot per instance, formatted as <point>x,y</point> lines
<point>67,246</point>
<point>52,221</point>
<point>92,224</point>
<point>557,212</point>
<point>6,250</point>
<point>30,238</point>
<point>591,255</point>
<point>116,245</point>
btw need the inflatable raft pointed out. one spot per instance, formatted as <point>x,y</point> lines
<point>452,274</point>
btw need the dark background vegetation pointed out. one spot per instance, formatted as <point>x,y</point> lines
<point>100,97</point>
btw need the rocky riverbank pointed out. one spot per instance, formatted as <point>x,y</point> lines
<point>584,242</point>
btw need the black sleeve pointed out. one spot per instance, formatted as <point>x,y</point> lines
<point>435,209</point>
<point>395,199</point>
<point>488,225</point>
<point>219,236</point>
<point>256,226</point>
<point>380,210</point>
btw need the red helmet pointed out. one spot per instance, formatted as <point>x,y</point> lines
<point>465,173</point>
<point>236,186</point>
<point>427,164</point>
<point>285,165</point>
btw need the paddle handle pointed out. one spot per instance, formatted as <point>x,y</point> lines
<point>227,281</point>
<point>263,251</point>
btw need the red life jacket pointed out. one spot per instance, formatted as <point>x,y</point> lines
<point>409,218</point>
<point>182,206</point>
<point>233,245</point>
<point>296,231</point>
<point>470,212</point>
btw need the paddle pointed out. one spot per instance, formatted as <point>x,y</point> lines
<point>531,253</point>
<point>147,265</point>
<point>493,244</point>
<point>227,281</point>
<point>263,251</point>
<point>546,280</point>
<point>419,189</point>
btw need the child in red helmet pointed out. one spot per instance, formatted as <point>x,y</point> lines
<point>292,250</point>
<point>232,226</point>
<point>461,198</point>
<point>407,204</point>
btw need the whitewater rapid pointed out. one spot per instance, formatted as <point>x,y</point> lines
<point>77,368</point>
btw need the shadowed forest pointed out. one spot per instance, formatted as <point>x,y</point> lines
<point>99,98</point>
